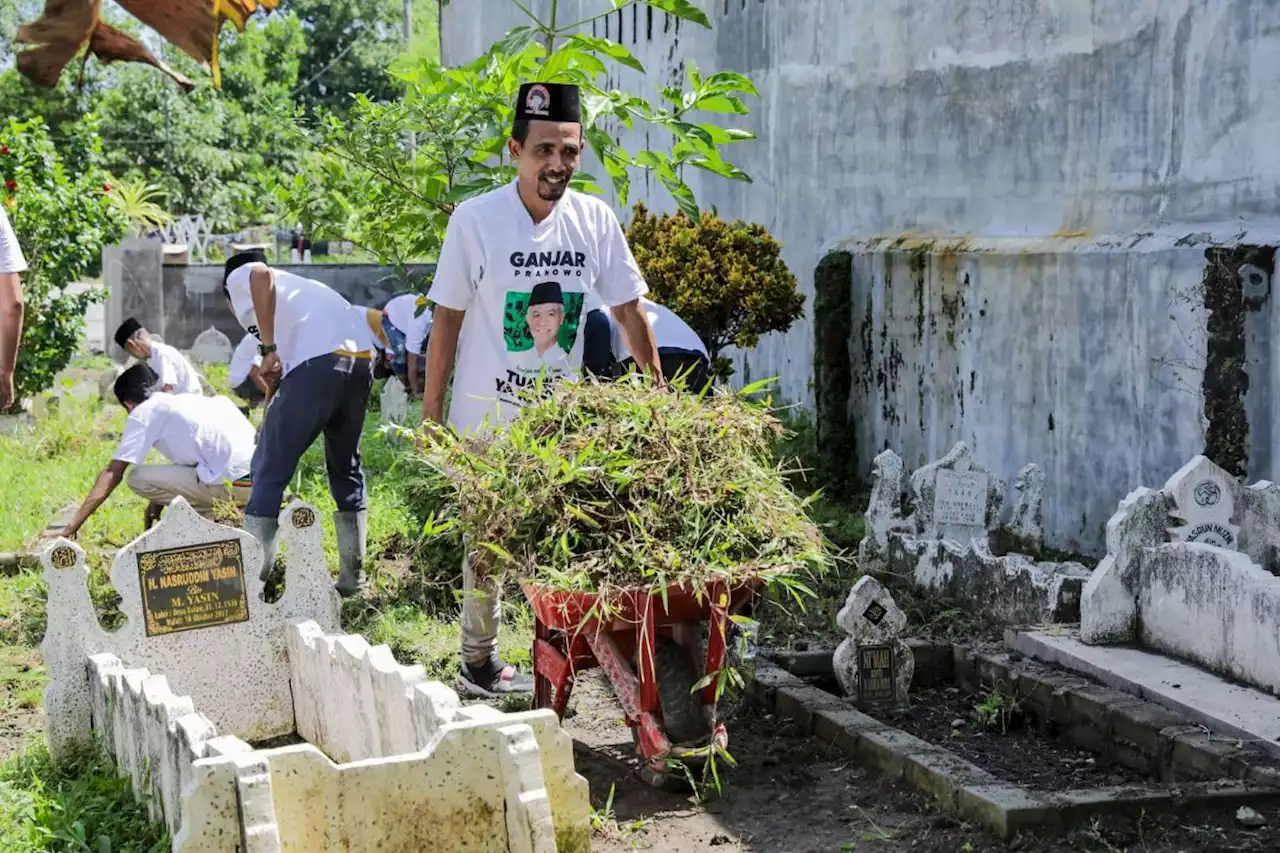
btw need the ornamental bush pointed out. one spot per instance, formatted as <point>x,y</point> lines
<point>63,216</point>
<point>727,280</point>
<point>620,485</point>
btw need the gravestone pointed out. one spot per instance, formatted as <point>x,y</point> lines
<point>212,347</point>
<point>873,664</point>
<point>395,403</point>
<point>1026,527</point>
<point>195,612</point>
<point>884,510</point>
<point>956,498</point>
<point>132,273</point>
<point>1202,497</point>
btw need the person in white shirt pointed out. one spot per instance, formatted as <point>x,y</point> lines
<point>11,264</point>
<point>177,375</point>
<point>243,374</point>
<point>685,361</point>
<point>406,323</point>
<point>208,441</point>
<point>499,248</point>
<point>317,362</point>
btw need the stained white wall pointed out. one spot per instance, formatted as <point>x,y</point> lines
<point>1050,123</point>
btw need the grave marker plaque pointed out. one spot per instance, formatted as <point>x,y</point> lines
<point>875,673</point>
<point>960,498</point>
<point>192,587</point>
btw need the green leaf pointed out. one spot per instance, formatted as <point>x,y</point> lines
<point>721,168</point>
<point>721,104</point>
<point>515,41</point>
<point>682,9</point>
<point>724,82</point>
<point>608,48</point>
<point>682,194</point>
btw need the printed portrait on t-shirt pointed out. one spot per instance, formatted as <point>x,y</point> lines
<point>539,330</point>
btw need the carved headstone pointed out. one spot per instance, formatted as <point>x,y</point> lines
<point>194,614</point>
<point>884,511</point>
<point>1203,500</point>
<point>212,347</point>
<point>873,664</point>
<point>395,403</point>
<point>956,498</point>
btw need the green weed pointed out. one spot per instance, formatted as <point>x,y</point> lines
<point>79,804</point>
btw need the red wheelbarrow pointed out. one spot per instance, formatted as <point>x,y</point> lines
<point>652,649</point>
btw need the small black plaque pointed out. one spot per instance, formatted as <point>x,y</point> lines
<point>63,557</point>
<point>874,612</point>
<point>875,673</point>
<point>195,586</point>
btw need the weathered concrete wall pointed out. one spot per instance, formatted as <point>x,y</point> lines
<point>190,298</point>
<point>1047,123</point>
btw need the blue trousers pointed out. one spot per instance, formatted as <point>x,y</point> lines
<point>327,395</point>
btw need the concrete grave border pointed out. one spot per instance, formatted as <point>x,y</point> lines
<point>1196,769</point>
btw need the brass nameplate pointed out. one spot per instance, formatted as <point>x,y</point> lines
<point>875,673</point>
<point>195,586</point>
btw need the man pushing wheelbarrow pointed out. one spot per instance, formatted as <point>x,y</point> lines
<point>639,523</point>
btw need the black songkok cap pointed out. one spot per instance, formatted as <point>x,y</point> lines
<point>546,293</point>
<point>127,330</point>
<point>253,256</point>
<point>548,102</point>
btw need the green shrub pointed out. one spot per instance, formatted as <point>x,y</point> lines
<point>727,280</point>
<point>622,485</point>
<point>63,217</point>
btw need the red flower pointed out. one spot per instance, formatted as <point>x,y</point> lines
<point>4,149</point>
<point>106,188</point>
<point>11,185</point>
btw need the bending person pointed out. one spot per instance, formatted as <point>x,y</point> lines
<point>207,440</point>
<point>318,366</point>
<point>177,376</point>
<point>685,361</point>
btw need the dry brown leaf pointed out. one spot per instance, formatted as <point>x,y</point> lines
<point>57,34</point>
<point>190,25</point>
<point>111,45</point>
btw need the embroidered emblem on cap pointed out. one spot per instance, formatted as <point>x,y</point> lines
<point>538,101</point>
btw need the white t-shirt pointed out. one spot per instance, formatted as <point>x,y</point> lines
<point>492,259</point>
<point>207,432</point>
<point>173,369</point>
<point>311,319</point>
<point>418,331</point>
<point>11,259</point>
<point>243,360</point>
<point>401,311</point>
<point>669,331</point>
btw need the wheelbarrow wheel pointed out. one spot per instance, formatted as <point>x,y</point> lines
<point>682,716</point>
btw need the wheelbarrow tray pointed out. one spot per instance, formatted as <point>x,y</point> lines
<point>571,610</point>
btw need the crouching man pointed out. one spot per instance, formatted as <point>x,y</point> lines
<point>177,375</point>
<point>208,442</point>
<point>318,366</point>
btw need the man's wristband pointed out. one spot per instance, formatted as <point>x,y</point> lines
<point>266,349</point>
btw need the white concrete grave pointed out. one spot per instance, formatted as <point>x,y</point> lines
<point>1190,572</point>
<point>212,347</point>
<point>945,544</point>
<point>392,761</point>
<point>873,664</point>
<point>196,572</point>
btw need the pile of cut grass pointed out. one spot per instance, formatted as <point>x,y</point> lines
<point>621,485</point>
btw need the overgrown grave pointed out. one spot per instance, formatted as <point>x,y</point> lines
<point>205,668</point>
